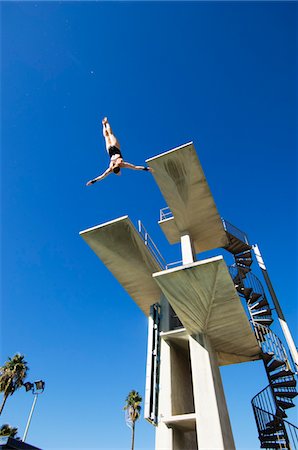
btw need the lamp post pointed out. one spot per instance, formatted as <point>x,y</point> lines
<point>37,388</point>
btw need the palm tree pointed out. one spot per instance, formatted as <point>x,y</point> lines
<point>12,375</point>
<point>7,430</point>
<point>133,408</point>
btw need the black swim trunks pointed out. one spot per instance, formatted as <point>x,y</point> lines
<point>115,151</point>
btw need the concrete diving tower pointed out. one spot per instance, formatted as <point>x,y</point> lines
<point>182,182</point>
<point>120,247</point>
<point>196,321</point>
<point>192,411</point>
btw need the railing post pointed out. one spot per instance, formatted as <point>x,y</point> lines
<point>281,318</point>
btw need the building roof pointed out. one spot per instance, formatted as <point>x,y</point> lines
<point>9,443</point>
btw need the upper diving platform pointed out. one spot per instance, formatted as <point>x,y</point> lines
<point>182,182</point>
<point>121,248</point>
<point>205,299</point>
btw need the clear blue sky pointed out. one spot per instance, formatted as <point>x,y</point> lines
<point>220,74</point>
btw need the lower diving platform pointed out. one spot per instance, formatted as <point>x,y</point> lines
<point>205,299</point>
<point>121,248</point>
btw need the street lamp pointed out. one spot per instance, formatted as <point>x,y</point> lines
<point>36,388</point>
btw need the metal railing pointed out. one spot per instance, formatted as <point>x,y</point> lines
<point>270,343</point>
<point>231,229</point>
<point>268,405</point>
<point>272,427</point>
<point>154,249</point>
<point>174,264</point>
<point>265,400</point>
<point>247,281</point>
<point>165,213</point>
<point>151,246</point>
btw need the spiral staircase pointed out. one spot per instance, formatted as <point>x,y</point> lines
<point>269,405</point>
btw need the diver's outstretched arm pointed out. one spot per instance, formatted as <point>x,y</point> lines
<point>127,165</point>
<point>100,177</point>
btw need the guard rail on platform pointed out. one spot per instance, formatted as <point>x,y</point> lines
<point>151,246</point>
<point>165,213</point>
<point>234,231</point>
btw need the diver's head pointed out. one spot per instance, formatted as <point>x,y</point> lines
<point>116,170</point>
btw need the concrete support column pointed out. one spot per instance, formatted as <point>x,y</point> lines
<point>164,435</point>
<point>188,254</point>
<point>212,417</point>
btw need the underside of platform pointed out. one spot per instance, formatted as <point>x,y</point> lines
<point>182,182</point>
<point>205,299</point>
<point>123,251</point>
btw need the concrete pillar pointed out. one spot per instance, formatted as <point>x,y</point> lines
<point>164,435</point>
<point>188,254</point>
<point>212,417</point>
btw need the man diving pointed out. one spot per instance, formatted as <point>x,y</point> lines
<point>116,159</point>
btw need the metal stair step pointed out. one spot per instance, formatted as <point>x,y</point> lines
<point>281,374</point>
<point>274,444</point>
<point>280,413</point>
<point>236,246</point>
<point>245,254</point>
<point>262,321</point>
<point>260,304</point>
<point>277,436</point>
<point>237,281</point>
<point>275,364</point>
<point>269,431</point>
<point>244,291</point>
<point>268,356</point>
<point>270,435</point>
<point>285,383</point>
<point>262,312</point>
<point>284,405</point>
<point>274,425</point>
<point>243,270</point>
<point>243,261</point>
<point>254,297</point>
<point>286,394</point>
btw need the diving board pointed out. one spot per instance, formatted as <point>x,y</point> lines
<point>120,247</point>
<point>182,182</point>
<point>205,299</point>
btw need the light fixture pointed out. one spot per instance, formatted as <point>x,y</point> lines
<point>36,388</point>
<point>28,386</point>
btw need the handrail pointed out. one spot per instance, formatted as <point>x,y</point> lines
<point>250,280</point>
<point>286,432</point>
<point>231,229</point>
<point>165,213</point>
<point>253,282</point>
<point>175,264</point>
<point>265,413</point>
<point>151,246</point>
<point>269,404</point>
<point>269,342</point>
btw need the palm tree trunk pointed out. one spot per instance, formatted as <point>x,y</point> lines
<point>3,403</point>
<point>133,436</point>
